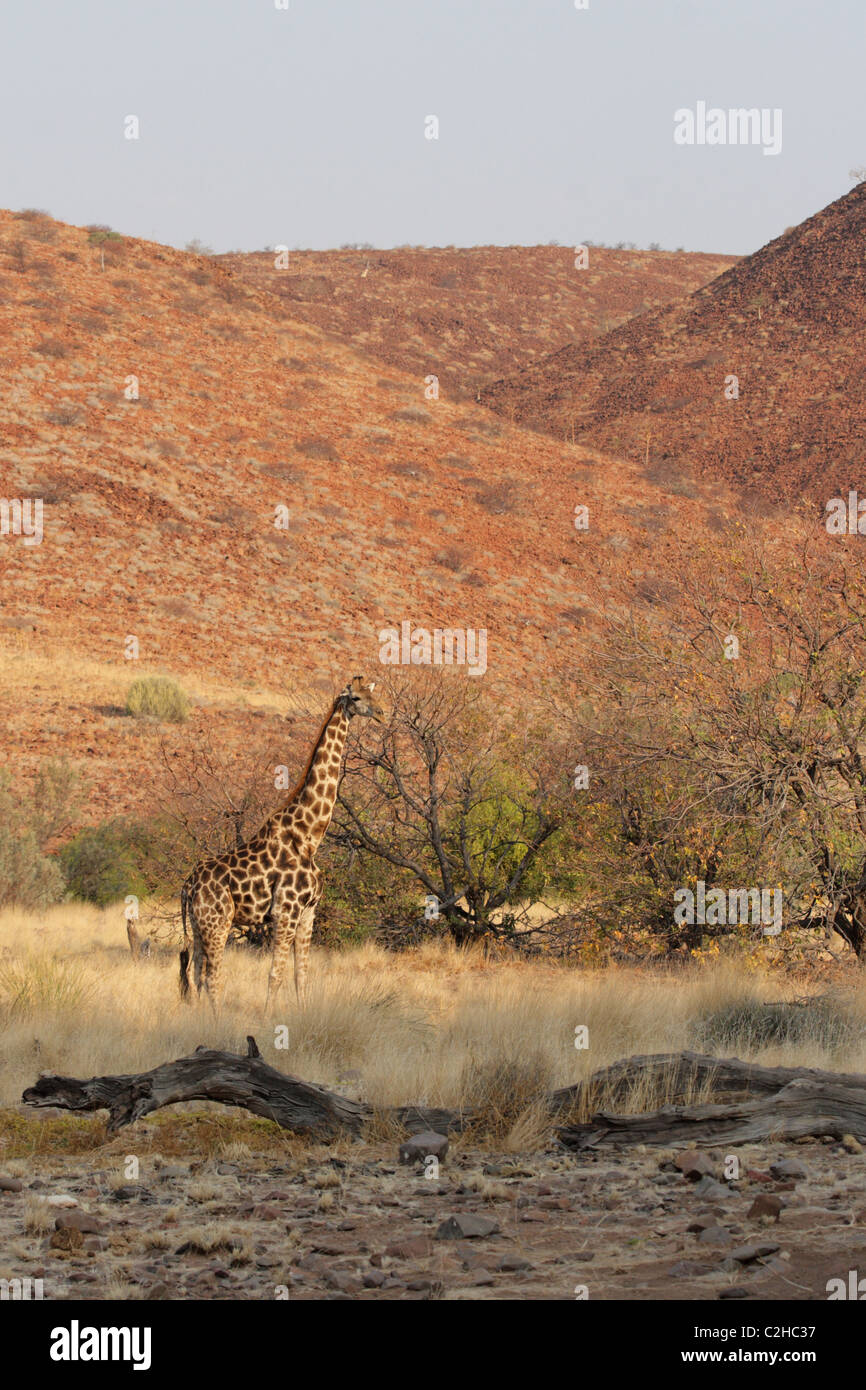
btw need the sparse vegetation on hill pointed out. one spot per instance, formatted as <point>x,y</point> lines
<point>157,697</point>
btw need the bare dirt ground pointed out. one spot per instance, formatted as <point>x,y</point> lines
<point>351,1222</point>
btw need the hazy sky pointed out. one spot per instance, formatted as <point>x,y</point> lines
<point>306,126</point>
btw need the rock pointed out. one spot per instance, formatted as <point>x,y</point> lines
<point>420,1285</point>
<point>412,1248</point>
<point>688,1269</point>
<point>421,1146</point>
<point>62,1199</point>
<point>266,1211</point>
<point>156,1292</point>
<point>10,1184</point>
<point>849,1144</point>
<point>373,1279</point>
<point>756,1175</point>
<point>93,1245</point>
<point>713,1191</point>
<point>789,1168</point>
<point>513,1264</point>
<point>714,1235</point>
<point>467,1227</point>
<point>745,1254</point>
<point>765,1204</point>
<point>695,1165</point>
<point>737,1291</point>
<point>482,1279</point>
<point>340,1280</point>
<point>329,1245</point>
<point>77,1220</point>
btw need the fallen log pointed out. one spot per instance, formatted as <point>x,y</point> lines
<point>789,1103</point>
<point>247,1082</point>
<point>776,1102</point>
<point>685,1073</point>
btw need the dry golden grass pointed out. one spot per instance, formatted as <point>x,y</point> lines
<point>434,1026</point>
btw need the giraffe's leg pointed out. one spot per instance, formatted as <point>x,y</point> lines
<point>286,916</point>
<point>303,937</point>
<point>214,933</point>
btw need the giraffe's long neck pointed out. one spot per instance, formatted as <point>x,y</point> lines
<point>309,809</point>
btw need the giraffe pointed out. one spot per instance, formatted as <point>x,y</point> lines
<point>272,879</point>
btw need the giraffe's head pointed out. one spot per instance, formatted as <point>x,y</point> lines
<point>359,698</point>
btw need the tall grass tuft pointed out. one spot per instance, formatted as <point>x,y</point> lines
<point>157,697</point>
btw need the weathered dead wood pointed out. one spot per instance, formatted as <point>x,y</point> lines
<point>779,1103</point>
<point>791,1103</point>
<point>247,1082</point>
<point>684,1073</point>
<point>207,1075</point>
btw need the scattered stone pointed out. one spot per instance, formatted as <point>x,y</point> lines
<point>373,1279</point>
<point>766,1204</point>
<point>736,1291</point>
<point>340,1280</point>
<point>849,1144</point>
<point>412,1248</point>
<point>714,1235</point>
<point>789,1168</point>
<point>688,1269</point>
<point>421,1146</point>
<point>695,1165</point>
<point>712,1190</point>
<point>756,1175</point>
<point>77,1220</point>
<point>513,1264</point>
<point>467,1227</point>
<point>483,1278</point>
<point>156,1292</point>
<point>61,1199</point>
<point>420,1285</point>
<point>10,1184</point>
<point>266,1211</point>
<point>745,1254</point>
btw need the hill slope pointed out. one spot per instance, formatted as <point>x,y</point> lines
<point>471,314</point>
<point>159,511</point>
<point>789,322</point>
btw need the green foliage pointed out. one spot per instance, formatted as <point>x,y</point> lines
<point>157,697</point>
<point>102,863</point>
<point>29,878</point>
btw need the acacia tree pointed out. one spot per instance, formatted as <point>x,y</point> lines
<point>460,795</point>
<point>753,704</point>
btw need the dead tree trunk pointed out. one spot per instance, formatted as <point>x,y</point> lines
<point>247,1082</point>
<point>207,1075</point>
<point>762,1102</point>
<point>788,1103</point>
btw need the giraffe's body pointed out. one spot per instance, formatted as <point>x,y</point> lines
<point>273,878</point>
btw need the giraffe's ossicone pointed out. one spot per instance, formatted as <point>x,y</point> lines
<point>272,880</point>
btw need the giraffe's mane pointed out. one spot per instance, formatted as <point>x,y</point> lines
<point>296,791</point>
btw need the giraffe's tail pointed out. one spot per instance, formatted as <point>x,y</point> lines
<point>184,955</point>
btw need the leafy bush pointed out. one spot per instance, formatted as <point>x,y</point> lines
<point>157,697</point>
<point>102,863</point>
<point>29,878</point>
